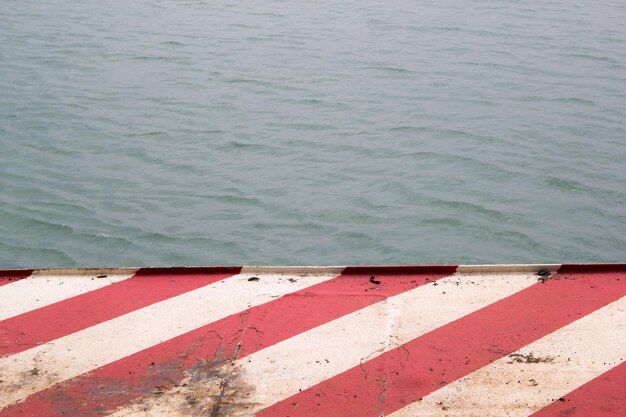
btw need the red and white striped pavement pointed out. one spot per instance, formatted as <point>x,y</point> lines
<point>407,341</point>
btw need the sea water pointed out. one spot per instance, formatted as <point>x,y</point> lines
<point>164,132</point>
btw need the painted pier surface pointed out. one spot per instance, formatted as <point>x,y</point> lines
<point>405,341</point>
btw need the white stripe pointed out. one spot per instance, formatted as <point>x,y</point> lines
<point>571,356</point>
<point>80,352</point>
<point>45,287</point>
<point>281,370</point>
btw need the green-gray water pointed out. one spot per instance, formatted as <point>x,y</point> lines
<point>154,132</point>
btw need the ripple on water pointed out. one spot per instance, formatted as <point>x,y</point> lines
<point>313,133</point>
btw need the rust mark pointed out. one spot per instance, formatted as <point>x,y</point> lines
<point>214,391</point>
<point>529,358</point>
<point>209,389</point>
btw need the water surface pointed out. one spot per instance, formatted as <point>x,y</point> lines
<point>156,132</point>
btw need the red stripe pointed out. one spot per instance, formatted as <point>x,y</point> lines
<point>604,396</point>
<point>148,286</point>
<point>9,276</point>
<point>104,390</point>
<point>591,268</point>
<point>190,270</point>
<point>407,373</point>
<point>400,269</point>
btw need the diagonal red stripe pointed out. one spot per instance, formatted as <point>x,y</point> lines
<point>9,276</point>
<point>148,286</point>
<point>415,369</point>
<point>604,396</point>
<point>150,371</point>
